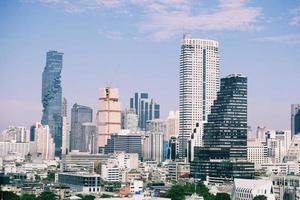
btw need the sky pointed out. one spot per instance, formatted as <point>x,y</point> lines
<point>134,45</point>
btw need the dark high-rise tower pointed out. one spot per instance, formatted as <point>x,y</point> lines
<point>52,97</point>
<point>295,119</point>
<point>224,152</point>
<point>226,128</point>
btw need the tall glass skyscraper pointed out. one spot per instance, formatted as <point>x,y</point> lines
<point>295,119</point>
<point>145,108</point>
<point>224,152</point>
<point>79,115</point>
<point>52,97</point>
<point>226,128</point>
<point>198,86</point>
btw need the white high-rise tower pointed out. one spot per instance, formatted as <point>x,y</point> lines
<point>199,84</point>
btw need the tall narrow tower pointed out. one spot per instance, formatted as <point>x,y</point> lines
<point>108,115</point>
<point>52,97</point>
<point>65,147</point>
<point>199,83</point>
<point>295,119</point>
<point>80,114</point>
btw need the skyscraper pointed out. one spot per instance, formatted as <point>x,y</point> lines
<point>226,128</point>
<point>44,142</point>
<point>108,115</point>
<point>145,108</point>
<point>261,133</point>
<point>65,147</point>
<point>88,142</point>
<point>199,83</point>
<point>225,135</point>
<point>80,114</point>
<point>153,146</point>
<point>295,119</point>
<point>52,97</point>
<point>130,120</point>
<point>155,131</point>
<point>172,125</point>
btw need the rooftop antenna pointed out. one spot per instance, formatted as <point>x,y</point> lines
<point>186,35</point>
<point>108,83</point>
<point>114,78</point>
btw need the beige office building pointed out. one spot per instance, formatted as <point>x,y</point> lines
<point>108,115</point>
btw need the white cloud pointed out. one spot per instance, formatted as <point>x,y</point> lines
<point>82,5</point>
<point>162,19</point>
<point>295,21</point>
<point>228,15</point>
<point>284,39</point>
<point>110,34</point>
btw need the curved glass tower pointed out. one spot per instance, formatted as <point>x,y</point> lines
<point>52,97</point>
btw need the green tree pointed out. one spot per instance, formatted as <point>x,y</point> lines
<point>47,195</point>
<point>8,196</point>
<point>105,196</point>
<point>222,196</point>
<point>86,197</point>
<point>28,197</point>
<point>176,192</point>
<point>202,190</point>
<point>51,176</point>
<point>37,177</point>
<point>260,197</point>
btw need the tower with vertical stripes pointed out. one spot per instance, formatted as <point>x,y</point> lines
<point>198,85</point>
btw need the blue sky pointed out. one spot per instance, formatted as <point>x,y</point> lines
<point>135,44</point>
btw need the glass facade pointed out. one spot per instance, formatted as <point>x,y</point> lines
<point>295,119</point>
<point>297,122</point>
<point>126,143</point>
<point>145,108</point>
<point>172,147</point>
<point>52,97</point>
<point>222,171</point>
<point>224,151</point>
<point>225,132</point>
<point>82,183</point>
<point>79,114</point>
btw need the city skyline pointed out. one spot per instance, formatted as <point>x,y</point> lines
<point>151,73</point>
<point>149,99</point>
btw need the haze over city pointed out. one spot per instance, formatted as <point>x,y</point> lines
<point>135,46</point>
<point>149,100</point>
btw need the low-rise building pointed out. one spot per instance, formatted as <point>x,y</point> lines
<point>110,173</point>
<point>247,189</point>
<point>257,152</point>
<point>81,161</point>
<point>21,149</point>
<point>128,176</point>
<point>62,191</point>
<point>136,187</point>
<point>286,187</point>
<point>287,168</point>
<point>177,169</point>
<point>81,182</point>
<point>194,197</point>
